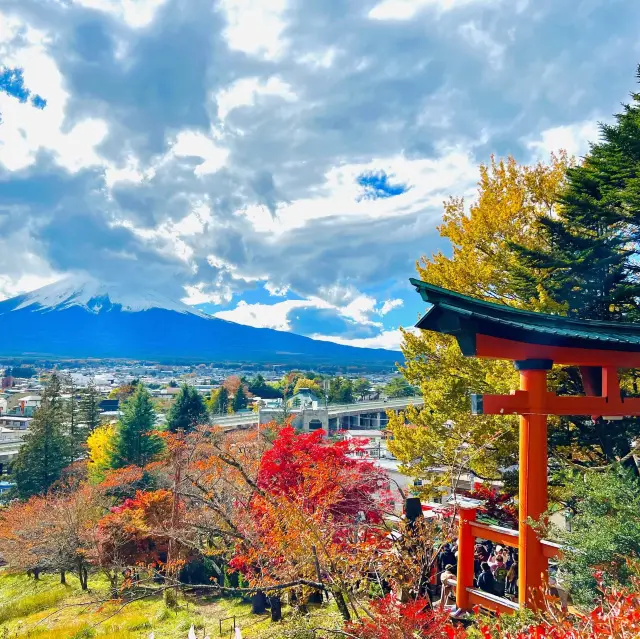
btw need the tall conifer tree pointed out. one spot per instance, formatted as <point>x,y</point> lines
<point>188,411</point>
<point>47,447</point>
<point>136,443</point>
<point>90,407</point>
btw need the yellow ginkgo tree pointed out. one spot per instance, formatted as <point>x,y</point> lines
<point>443,440</point>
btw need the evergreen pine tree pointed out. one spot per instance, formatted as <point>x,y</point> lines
<point>188,411</point>
<point>136,444</point>
<point>77,434</point>
<point>90,407</point>
<point>46,449</point>
<point>240,400</point>
<point>589,263</point>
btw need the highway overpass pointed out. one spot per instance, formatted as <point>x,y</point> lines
<point>360,415</point>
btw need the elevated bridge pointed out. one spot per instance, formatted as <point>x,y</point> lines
<point>357,416</point>
<point>9,446</point>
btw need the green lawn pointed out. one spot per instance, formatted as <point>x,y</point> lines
<point>45,609</point>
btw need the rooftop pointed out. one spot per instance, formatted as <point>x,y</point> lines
<point>467,319</point>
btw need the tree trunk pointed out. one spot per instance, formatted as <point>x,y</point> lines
<point>83,575</point>
<point>63,577</point>
<point>258,603</point>
<point>276,608</point>
<point>342,604</point>
<point>113,584</point>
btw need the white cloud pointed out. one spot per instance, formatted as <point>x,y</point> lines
<point>322,59</point>
<point>26,129</point>
<point>268,315</point>
<point>390,340</point>
<point>429,182</point>
<point>196,144</point>
<point>276,290</point>
<point>255,26</point>
<point>389,305</point>
<point>130,171</point>
<point>197,295</point>
<point>276,315</point>
<point>25,283</point>
<point>248,91</point>
<point>572,138</point>
<point>136,13</point>
<point>406,9</point>
<point>360,309</point>
<point>483,41</point>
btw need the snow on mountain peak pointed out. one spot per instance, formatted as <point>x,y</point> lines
<point>95,296</point>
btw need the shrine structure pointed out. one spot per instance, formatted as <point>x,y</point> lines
<point>534,342</point>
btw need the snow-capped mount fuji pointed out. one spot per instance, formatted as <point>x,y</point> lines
<point>81,319</point>
<point>95,297</point>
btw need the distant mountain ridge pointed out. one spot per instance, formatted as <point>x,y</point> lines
<point>88,319</point>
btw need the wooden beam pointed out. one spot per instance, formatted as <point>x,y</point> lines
<point>518,403</point>
<point>499,348</point>
<point>491,602</point>
<point>496,534</point>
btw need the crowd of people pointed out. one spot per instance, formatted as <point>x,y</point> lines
<point>495,570</point>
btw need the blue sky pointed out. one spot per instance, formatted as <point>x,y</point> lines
<point>281,163</point>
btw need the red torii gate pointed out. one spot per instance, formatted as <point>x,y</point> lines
<point>534,342</point>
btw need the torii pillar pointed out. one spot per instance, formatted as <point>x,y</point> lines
<point>532,480</point>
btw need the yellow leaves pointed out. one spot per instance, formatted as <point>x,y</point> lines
<point>510,199</point>
<point>311,384</point>
<point>100,450</point>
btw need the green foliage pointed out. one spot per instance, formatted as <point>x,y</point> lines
<point>72,417</point>
<point>47,448</point>
<point>219,402</point>
<point>90,407</point>
<point>341,391</point>
<point>136,443</point>
<point>25,372</point>
<point>188,411</point>
<point>587,260</point>
<point>605,531</point>
<point>259,387</point>
<point>362,387</point>
<point>240,400</point>
<point>399,387</point>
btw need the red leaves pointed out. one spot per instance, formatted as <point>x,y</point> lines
<point>618,617</point>
<point>498,505</point>
<point>324,473</point>
<point>311,495</point>
<point>394,620</point>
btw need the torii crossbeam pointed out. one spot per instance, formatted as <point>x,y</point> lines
<point>534,342</point>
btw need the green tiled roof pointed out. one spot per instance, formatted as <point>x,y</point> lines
<point>465,317</point>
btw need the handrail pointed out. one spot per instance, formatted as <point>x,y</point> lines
<point>551,549</point>
<point>481,598</point>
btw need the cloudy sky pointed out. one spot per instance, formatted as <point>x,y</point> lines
<point>281,162</point>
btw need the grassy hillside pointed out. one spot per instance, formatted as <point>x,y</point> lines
<point>45,609</point>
